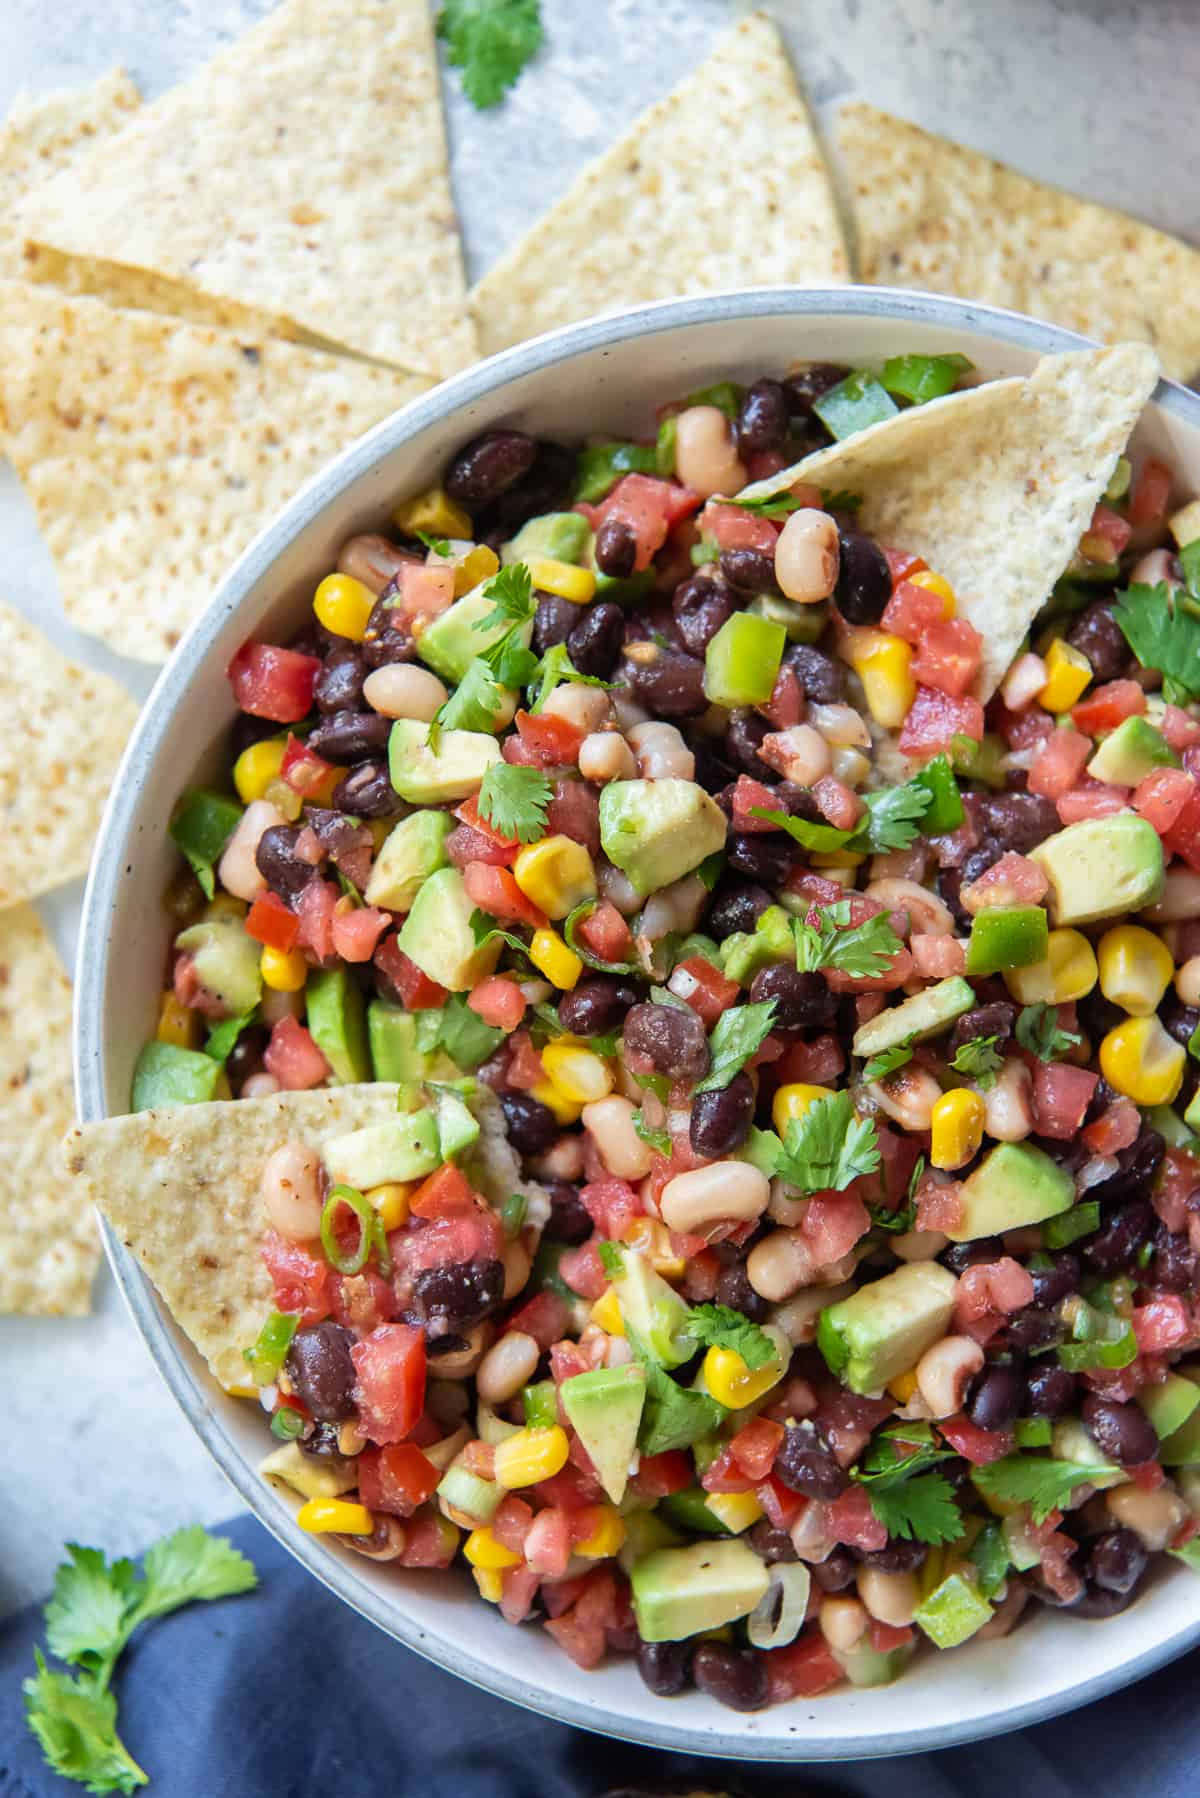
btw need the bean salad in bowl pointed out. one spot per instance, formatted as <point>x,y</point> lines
<point>650,813</point>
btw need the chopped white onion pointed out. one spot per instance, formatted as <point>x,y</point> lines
<point>1100,1167</point>
<point>777,1617</point>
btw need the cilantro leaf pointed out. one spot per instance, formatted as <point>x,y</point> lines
<point>818,839</point>
<point>659,1140</point>
<point>980,1061</point>
<point>490,41</point>
<point>923,1508</point>
<point>828,1147</point>
<point>736,1036</point>
<point>75,1723</point>
<point>188,1565</point>
<point>861,950</point>
<point>223,1036</point>
<point>891,820</point>
<point>485,930</point>
<point>1043,1484</point>
<point>673,1416</point>
<point>475,703</point>
<point>85,1617</point>
<point>464,1036</point>
<point>771,505</point>
<point>1163,631</point>
<point>1037,1031</point>
<point>720,1326</point>
<point>556,667</point>
<point>510,590</point>
<point>513,800</point>
<point>439,545</point>
<point>887,1061</point>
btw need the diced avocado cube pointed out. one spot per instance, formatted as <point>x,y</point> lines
<point>438,777</point>
<point>742,661</point>
<point>463,1490</point>
<point>167,1075</point>
<point>802,624</point>
<point>883,1329</point>
<point>337,1020</point>
<point>1072,1442</point>
<point>405,1147</point>
<point>1102,867</point>
<point>1024,1550</point>
<point>304,1474</point>
<point>677,1592</point>
<point>1006,936</point>
<point>745,952</point>
<point>412,851</point>
<point>653,1310</point>
<point>452,641</point>
<point>226,960</point>
<point>1181,1448</point>
<point>605,1408</point>
<point>688,1511</point>
<point>392,1035</point>
<point>762,1149</point>
<point>953,1612</point>
<point>1170,1404</point>
<point>644,1532</point>
<point>1014,1185</point>
<point>457,1125</point>
<point>656,831</point>
<point>437,934</point>
<point>921,1016</point>
<point>867,1666</point>
<point>1130,752</point>
<point>560,536</point>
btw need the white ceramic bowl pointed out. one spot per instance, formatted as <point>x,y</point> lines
<point>604,375</point>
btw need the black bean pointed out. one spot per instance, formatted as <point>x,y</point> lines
<point>666,1667</point>
<point>864,583</point>
<point>246,730</point>
<point>615,548</point>
<point>700,605</point>
<point>805,1466</point>
<point>762,419</point>
<point>1032,1329</point>
<point>802,1001</point>
<point>276,860</point>
<point>320,1368</point>
<point>367,791</point>
<point>948,886</point>
<point>1179,1021</point>
<point>320,1443</point>
<point>809,384</point>
<point>899,1556</point>
<point>835,1572</point>
<point>959,1256</point>
<point>749,570</point>
<point>1019,820</point>
<point>350,736</point>
<point>1097,1016</point>
<point>1053,1284</point>
<point>1174,1266</point>
<point>544,489</point>
<point>595,642</point>
<point>387,638</point>
<point>985,1020</point>
<point>736,1677</point>
<point>569,1220</point>
<point>1123,1432</point>
<point>246,1056</point>
<point>821,678</point>
<point>1119,1237</point>
<point>460,1294</point>
<point>736,905</point>
<point>1098,636</point>
<point>771,1545</point>
<point>1096,1602</point>
<point>743,740</point>
<point>996,1397</point>
<point>553,621</point>
<point>1117,1561</point>
<point>532,1127</point>
<point>766,856</point>
<point>980,859</point>
<point>596,1004</point>
<point>672,1038</point>
<point>721,1120</point>
<point>488,466</point>
<point>1049,1390</point>
<point>797,802</point>
<point>712,771</point>
<point>338,687</point>
<point>670,683</point>
<point>734,1289</point>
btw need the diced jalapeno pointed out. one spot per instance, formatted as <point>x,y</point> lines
<point>854,403</point>
<point>1007,936</point>
<point>742,661</point>
<point>922,378</point>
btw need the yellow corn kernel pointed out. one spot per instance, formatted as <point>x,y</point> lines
<point>566,1111</point>
<point>335,1517</point>
<point>606,1538</point>
<point>555,874</point>
<point>936,583</point>
<point>736,1510</point>
<point>829,860</point>
<point>651,1238</point>
<point>178,1024</point>
<point>432,513</point>
<point>489,1582</point>
<point>607,1313</point>
<point>732,1383</point>
<point>482,1550</point>
<point>478,564</point>
<point>1136,968</point>
<point>883,665</point>
<point>1069,672</point>
<point>284,970</point>
<point>794,1100</point>
<point>530,1456</point>
<point>1140,1060</point>
<point>257,767</point>
<point>1067,973</point>
<point>551,957</point>
<point>1185,524</point>
<point>956,1127</point>
<point>579,1074</point>
<point>903,1386</point>
<point>562,578</point>
<point>390,1200</point>
<point>343,606</point>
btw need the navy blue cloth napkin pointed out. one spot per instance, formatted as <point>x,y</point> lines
<point>287,1694</point>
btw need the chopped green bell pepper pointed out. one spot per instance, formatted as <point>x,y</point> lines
<point>1007,936</point>
<point>726,396</point>
<point>602,465</point>
<point>742,661</point>
<point>922,378</point>
<point>1070,1225</point>
<point>953,1612</point>
<point>1032,1432</point>
<point>854,403</point>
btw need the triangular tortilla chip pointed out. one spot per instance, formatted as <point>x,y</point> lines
<point>719,185</point>
<point>994,486</point>
<point>45,133</point>
<point>154,451</point>
<point>932,214</point>
<point>62,730</point>
<point>302,174</point>
<point>49,1249</point>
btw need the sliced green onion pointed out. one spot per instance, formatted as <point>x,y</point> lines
<point>853,404</point>
<point>541,1405</point>
<point>989,1552</point>
<point>287,1424</point>
<point>270,1350</point>
<point>778,1616</point>
<point>923,378</point>
<point>1113,1344</point>
<point>512,1213</point>
<point>1070,1225</point>
<point>371,1234</point>
<point>574,920</point>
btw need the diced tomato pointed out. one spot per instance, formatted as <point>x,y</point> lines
<point>756,1445</point>
<point>787,704</point>
<point>425,592</point>
<point>1183,837</point>
<point>389,1391</point>
<point>1161,1325</point>
<point>1151,493</point>
<point>544,1317</point>
<point>746,794</point>
<point>518,1589</point>
<point>724,1475</point>
<point>360,1301</point>
<point>302,1282</point>
<point>294,1058</point>
<point>547,1546</point>
<point>270,922</point>
<point>442,1192</point>
<point>1013,880</point>
<point>1107,706</point>
<point>357,930</point>
<point>973,1444</point>
<point>499,1001</point>
<point>414,989</point>
<point>1059,763</point>
<point>611,1204</point>
<point>580,1631</point>
<point>852,1521</point>
<point>465,845</point>
<point>831,1225</point>
<point>887,1636</point>
<point>605,933</point>
<point>524,1069</point>
<point>396,1479</point>
<point>1111,529</point>
<point>649,507</point>
<point>912,611</point>
<point>898,1154</point>
<point>949,655</point>
<point>468,813</point>
<point>902,565</point>
<point>935,719</point>
<point>315,908</point>
<point>940,1204</point>
<point>1161,796</point>
<point>511,1521</point>
<point>583,1271</point>
<point>552,741</point>
<point>704,988</point>
<point>275,683</point>
<point>495,891</point>
<point>1148,1476</point>
<point>1179,728</point>
<point>1173,1192</point>
<point>308,773</point>
<point>1061,1096</point>
<point>660,1475</point>
<point>781,1505</point>
<point>732,527</point>
<point>814,1063</point>
<point>937,957</point>
<point>1116,1128</point>
<point>1092,799</point>
<point>804,1669</point>
<point>430,1540</point>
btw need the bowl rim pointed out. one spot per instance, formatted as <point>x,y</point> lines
<point>102,900</point>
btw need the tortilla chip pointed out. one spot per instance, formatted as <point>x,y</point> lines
<point>932,214</point>
<point>45,133</point>
<point>994,486</point>
<point>49,1248</point>
<point>301,174</point>
<point>154,451</point>
<point>62,730</point>
<point>719,185</point>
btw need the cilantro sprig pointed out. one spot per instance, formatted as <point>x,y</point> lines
<point>556,667</point>
<point>862,950</point>
<point>490,41</point>
<point>980,1060</point>
<point>891,821</point>
<point>888,1061</point>
<point>828,1147</point>
<point>1163,631</point>
<point>720,1326</point>
<point>736,1036</point>
<point>1037,1031</point>
<point>1043,1484</point>
<point>513,800</point>
<point>906,1498</point>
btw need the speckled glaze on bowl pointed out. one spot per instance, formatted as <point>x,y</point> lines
<point>602,375</point>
